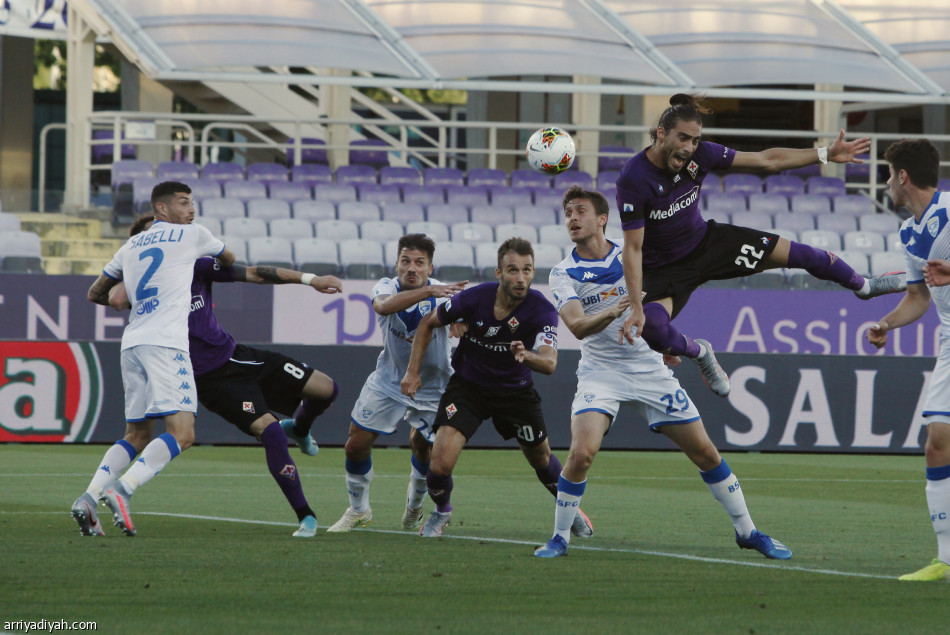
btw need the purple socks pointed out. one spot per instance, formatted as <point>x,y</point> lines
<point>283,469</point>
<point>823,265</point>
<point>440,491</point>
<point>310,409</point>
<point>549,475</point>
<point>662,336</point>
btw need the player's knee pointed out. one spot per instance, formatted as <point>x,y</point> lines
<point>580,458</point>
<point>357,449</point>
<point>937,447</point>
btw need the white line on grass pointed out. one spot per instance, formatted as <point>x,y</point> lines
<point>575,547</point>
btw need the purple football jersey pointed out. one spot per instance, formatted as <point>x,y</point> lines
<point>667,204</point>
<point>483,355</point>
<point>209,345</point>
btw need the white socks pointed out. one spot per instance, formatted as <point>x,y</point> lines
<point>938,500</point>
<point>156,455</point>
<point>116,459</point>
<point>725,488</point>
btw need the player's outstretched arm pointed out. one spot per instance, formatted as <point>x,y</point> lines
<point>543,361</point>
<point>99,291</point>
<point>581,325</point>
<point>633,276</point>
<point>777,159</point>
<point>420,343</point>
<point>389,304</point>
<point>937,273</point>
<point>912,306</point>
<point>226,257</point>
<point>263,274</point>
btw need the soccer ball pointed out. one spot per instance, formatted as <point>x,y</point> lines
<point>550,150</point>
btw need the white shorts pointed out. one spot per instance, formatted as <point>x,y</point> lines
<point>158,382</point>
<point>658,396</point>
<point>937,403</point>
<point>375,412</point>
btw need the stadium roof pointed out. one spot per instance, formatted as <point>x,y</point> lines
<point>879,50</point>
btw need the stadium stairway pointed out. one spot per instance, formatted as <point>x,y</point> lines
<point>71,244</point>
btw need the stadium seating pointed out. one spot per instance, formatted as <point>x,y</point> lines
<point>245,190</point>
<point>222,172</point>
<point>362,259</point>
<point>293,191</point>
<point>471,233</point>
<point>549,198</point>
<point>370,152</point>
<point>433,229</point>
<point>529,178</point>
<point>768,279</point>
<point>334,192</point>
<point>825,185</point>
<point>886,262</point>
<point>728,202</point>
<point>753,220</point>
<point>768,203</point>
<point>536,216</point>
<point>813,204</point>
<point>213,224</point>
<point>355,174</point>
<point>554,235</point>
<point>742,183</point>
<point>495,214</point>
<point>313,211</point>
<point>21,252</point>
<point>456,262</point>
<point>244,228</point>
<point>711,183</point>
<point>318,256</point>
<point>719,216</point>
<point>615,162</point>
<point>607,179</point>
<point>311,151</point>
<point>238,246</point>
<point>564,180</point>
<point>358,212</point>
<point>176,171</point>
<point>447,214</point>
<point>467,196</point>
<point>336,230</point>
<point>784,184</point>
<point>829,241</point>
<point>853,204</point>
<point>202,189</point>
<point>865,242</point>
<point>486,260</point>
<point>546,257</point>
<point>486,176</point>
<point>893,242</point>
<point>270,251</point>
<point>311,173</point>
<point>424,195</point>
<point>858,261</point>
<point>127,170</point>
<point>103,153</point>
<point>787,234</point>
<point>142,193</point>
<point>838,223</point>
<point>290,228</point>
<point>511,196</point>
<point>443,176</point>
<point>380,194</point>
<point>9,222</point>
<point>794,222</point>
<point>268,209</point>
<point>382,231</point>
<point>404,213</point>
<point>880,223</point>
<point>510,230</point>
<point>222,208</point>
<point>391,175</point>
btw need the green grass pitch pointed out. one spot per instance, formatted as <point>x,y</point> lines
<point>215,554</point>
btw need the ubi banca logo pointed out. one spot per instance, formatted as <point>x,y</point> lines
<point>49,391</point>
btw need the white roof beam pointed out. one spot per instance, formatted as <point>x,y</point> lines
<point>660,62</point>
<point>111,21</point>
<point>391,39</point>
<point>884,50</point>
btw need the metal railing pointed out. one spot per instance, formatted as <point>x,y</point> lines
<point>435,150</point>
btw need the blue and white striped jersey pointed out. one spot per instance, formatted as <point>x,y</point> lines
<point>927,239</point>
<point>598,285</point>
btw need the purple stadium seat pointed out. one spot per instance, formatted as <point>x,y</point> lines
<point>290,228</point>
<point>529,178</point>
<point>711,183</point>
<point>552,198</point>
<point>447,214</point>
<point>881,223</point>
<point>607,179</point>
<point>442,176</point>
<point>222,171</point>
<point>243,228</point>
<point>742,183</point>
<point>314,210</point>
<point>128,170</point>
<point>423,194</point>
<point>827,240</point>
<point>379,194</point>
<point>768,203</point>
<point>806,171</point>
<point>794,222</point>
<point>852,204</point>
<point>202,189</point>
<point>786,184</point>
<point>270,251</point>
<point>142,192</point>
<point>311,151</point>
<point>399,175</point>
<point>372,152</point>
<point>267,172</point>
<point>511,196</point>
<point>435,230</point>
<point>311,173</point>
<point>404,213</point>
<point>357,212</point>
<point>536,216</point>
<point>826,185</point>
<point>564,180</point>
<point>754,220</point>
<point>244,190</point>
<point>492,215</point>
<point>355,174</point>
<point>292,191</point>
<point>614,163</point>
<point>486,176</point>
<point>337,229</point>
<point>727,202</point>
<point>469,196</point>
<point>317,256</point>
<point>838,223</point>
<point>222,208</point>
<point>471,233</point>
<point>102,153</point>
<point>334,193</point>
<point>813,204</point>
<point>176,170</point>
<point>864,242</point>
<point>382,231</point>
<point>268,209</point>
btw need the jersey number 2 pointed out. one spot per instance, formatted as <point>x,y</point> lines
<point>141,291</point>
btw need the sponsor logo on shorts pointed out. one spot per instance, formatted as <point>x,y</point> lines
<point>450,410</point>
<point>183,371</point>
<point>289,472</point>
<point>184,386</point>
<point>692,168</point>
<point>513,323</point>
<point>589,397</point>
<point>248,406</point>
<point>366,413</point>
<point>492,331</point>
<point>185,401</point>
<point>179,357</point>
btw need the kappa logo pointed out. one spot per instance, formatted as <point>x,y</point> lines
<point>513,323</point>
<point>183,371</point>
<point>248,406</point>
<point>933,226</point>
<point>50,392</point>
<point>450,410</point>
<point>693,169</point>
<point>492,331</point>
<point>289,471</point>
<point>186,401</point>
<point>179,357</point>
<point>588,275</point>
<point>184,386</point>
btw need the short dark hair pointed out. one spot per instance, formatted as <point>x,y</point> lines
<point>139,225</point>
<point>601,206</point>
<point>165,190</point>
<point>518,245</point>
<point>918,157</point>
<point>683,107</point>
<point>417,241</point>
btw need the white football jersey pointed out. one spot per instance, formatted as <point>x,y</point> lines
<point>157,267</point>
<point>599,285</point>
<point>927,239</point>
<point>398,330</point>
